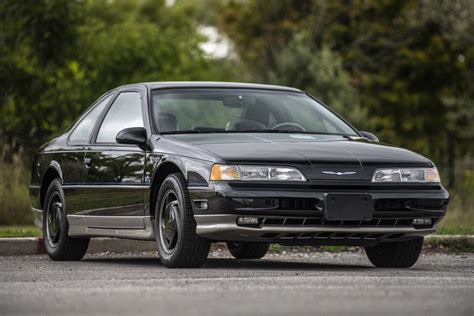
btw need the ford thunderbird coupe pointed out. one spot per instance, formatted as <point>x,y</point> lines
<point>191,163</point>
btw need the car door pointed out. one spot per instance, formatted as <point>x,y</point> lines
<point>72,158</point>
<point>113,173</point>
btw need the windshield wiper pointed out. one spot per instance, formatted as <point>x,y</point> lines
<point>292,132</point>
<point>187,131</point>
<point>267,130</point>
<point>263,130</point>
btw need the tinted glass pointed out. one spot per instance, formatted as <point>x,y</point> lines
<point>125,112</point>
<point>235,110</point>
<point>83,130</point>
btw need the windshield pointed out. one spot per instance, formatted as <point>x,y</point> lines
<point>242,110</point>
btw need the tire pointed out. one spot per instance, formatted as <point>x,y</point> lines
<point>399,254</point>
<point>59,246</point>
<point>248,250</point>
<point>175,228</point>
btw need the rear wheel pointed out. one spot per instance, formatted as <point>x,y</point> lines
<point>175,228</point>
<point>248,250</point>
<point>58,244</point>
<point>398,254</point>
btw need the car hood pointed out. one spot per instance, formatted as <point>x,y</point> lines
<point>318,156</point>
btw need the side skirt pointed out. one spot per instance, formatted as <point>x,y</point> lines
<point>129,227</point>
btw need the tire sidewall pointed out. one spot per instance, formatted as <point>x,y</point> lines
<point>170,183</point>
<point>55,186</point>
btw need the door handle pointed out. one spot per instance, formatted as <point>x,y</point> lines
<point>87,162</point>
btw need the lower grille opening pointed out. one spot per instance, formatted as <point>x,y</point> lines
<point>395,236</point>
<point>269,235</point>
<point>274,221</point>
<point>340,235</point>
<point>346,236</point>
<point>294,221</point>
<point>375,236</point>
<point>325,234</point>
<point>320,222</point>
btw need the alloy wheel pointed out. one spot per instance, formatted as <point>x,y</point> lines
<point>53,220</point>
<point>168,221</point>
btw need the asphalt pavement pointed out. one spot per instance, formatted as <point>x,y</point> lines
<point>318,283</point>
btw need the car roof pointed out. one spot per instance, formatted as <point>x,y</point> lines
<point>210,84</point>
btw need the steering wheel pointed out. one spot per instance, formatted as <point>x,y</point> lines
<point>292,126</point>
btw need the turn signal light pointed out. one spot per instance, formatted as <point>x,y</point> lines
<point>221,172</point>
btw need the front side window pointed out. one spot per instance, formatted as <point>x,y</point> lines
<point>82,133</point>
<point>125,112</point>
<point>242,110</point>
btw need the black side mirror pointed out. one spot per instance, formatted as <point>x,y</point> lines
<point>370,136</point>
<point>132,135</point>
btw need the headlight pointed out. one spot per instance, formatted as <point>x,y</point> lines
<point>255,173</point>
<point>406,175</point>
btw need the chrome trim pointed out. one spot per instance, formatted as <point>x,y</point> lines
<point>35,186</point>
<point>224,227</point>
<point>131,227</point>
<point>38,215</point>
<point>90,212</point>
<point>339,173</point>
<point>106,186</point>
<point>199,188</point>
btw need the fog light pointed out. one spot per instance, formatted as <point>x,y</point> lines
<point>422,221</point>
<point>247,220</point>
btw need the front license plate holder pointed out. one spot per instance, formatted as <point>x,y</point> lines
<point>348,207</point>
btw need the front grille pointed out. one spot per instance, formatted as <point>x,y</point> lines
<point>410,204</point>
<point>299,204</point>
<point>286,204</point>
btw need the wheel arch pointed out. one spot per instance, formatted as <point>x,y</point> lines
<point>51,173</point>
<point>163,170</point>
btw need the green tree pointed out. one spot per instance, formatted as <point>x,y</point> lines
<point>320,73</point>
<point>38,38</point>
<point>59,56</point>
<point>409,62</point>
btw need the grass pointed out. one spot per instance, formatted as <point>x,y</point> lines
<point>455,230</point>
<point>448,244</point>
<point>14,196</point>
<point>19,231</point>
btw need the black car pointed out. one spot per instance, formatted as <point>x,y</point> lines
<point>191,163</point>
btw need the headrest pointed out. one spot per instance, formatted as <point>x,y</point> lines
<point>167,122</point>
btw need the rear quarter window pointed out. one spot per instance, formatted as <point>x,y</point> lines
<point>82,132</point>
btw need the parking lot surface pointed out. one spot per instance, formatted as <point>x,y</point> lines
<point>280,284</point>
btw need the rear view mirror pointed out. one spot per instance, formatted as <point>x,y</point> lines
<point>370,136</point>
<point>239,101</point>
<point>132,136</point>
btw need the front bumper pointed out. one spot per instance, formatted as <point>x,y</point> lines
<point>295,214</point>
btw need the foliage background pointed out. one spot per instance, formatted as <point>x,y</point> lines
<point>401,69</point>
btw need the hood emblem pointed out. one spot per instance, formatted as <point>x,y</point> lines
<point>339,173</point>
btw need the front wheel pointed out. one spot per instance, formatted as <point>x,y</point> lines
<point>248,250</point>
<point>397,254</point>
<point>58,244</point>
<point>175,228</point>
